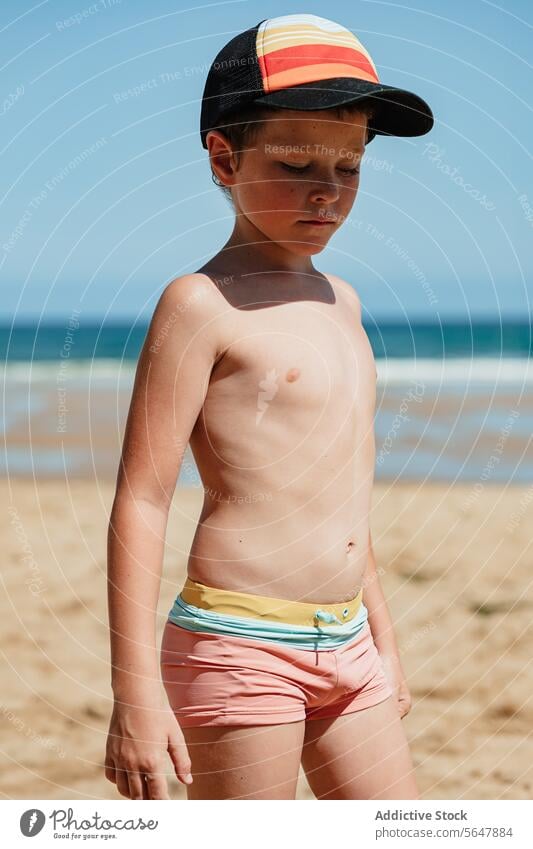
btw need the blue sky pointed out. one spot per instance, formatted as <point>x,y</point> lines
<point>107,194</point>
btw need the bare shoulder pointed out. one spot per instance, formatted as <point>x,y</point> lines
<point>352,301</point>
<point>187,302</point>
<point>349,293</point>
<point>193,292</point>
<point>183,316</point>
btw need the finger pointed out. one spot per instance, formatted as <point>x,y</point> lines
<point>146,794</point>
<point>181,761</point>
<point>404,709</point>
<point>157,786</point>
<point>122,782</point>
<point>135,782</point>
<point>110,772</point>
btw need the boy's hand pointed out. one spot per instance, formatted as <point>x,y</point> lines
<point>396,678</point>
<point>138,742</point>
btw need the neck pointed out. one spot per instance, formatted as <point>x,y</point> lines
<point>249,250</point>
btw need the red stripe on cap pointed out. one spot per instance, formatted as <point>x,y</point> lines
<point>291,58</point>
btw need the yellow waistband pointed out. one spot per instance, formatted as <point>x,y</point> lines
<point>234,603</point>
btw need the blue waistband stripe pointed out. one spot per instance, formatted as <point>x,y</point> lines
<point>296,636</point>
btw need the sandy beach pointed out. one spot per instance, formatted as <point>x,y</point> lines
<point>456,570</point>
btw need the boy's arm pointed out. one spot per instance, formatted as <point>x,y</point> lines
<point>379,617</point>
<point>383,634</point>
<point>170,386</point>
<point>378,614</point>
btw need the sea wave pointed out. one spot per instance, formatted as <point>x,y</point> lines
<point>107,371</point>
<point>110,372</point>
<point>460,370</point>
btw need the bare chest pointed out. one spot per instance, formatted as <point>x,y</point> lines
<point>297,357</point>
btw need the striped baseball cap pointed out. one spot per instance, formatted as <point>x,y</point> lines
<point>306,62</point>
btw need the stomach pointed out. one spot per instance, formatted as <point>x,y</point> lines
<point>286,502</point>
<point>306,554</point>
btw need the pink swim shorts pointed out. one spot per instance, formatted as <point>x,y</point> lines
<point>217,679</point>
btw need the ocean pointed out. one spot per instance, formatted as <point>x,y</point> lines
<point>455,400</point>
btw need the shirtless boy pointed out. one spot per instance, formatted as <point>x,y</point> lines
<point>269,659</point>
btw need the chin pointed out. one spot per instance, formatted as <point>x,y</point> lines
<point>305,248</point>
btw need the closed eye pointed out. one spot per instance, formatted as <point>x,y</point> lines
<point>293,167</point>
<point>301,169</point>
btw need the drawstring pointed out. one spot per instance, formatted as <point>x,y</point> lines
<point>325,616</point>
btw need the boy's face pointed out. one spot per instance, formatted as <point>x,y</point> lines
<point>301,166</point>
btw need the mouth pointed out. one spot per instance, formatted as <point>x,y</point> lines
<point>318,222</point>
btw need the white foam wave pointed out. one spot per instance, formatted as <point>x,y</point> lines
<point>390,371</point>
<point>493,370</point>
<point>106,371</point>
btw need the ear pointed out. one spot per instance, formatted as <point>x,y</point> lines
<point>221,155</point>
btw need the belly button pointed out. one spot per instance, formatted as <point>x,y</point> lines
<point>292,375</point>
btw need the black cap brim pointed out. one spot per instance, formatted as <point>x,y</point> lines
<point>398,112</point>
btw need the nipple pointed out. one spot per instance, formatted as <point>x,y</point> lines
<point>292,375</point>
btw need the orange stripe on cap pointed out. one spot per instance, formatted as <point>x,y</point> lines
<point>304,57</point>
<point>314,73</point>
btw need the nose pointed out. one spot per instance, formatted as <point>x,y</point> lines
<point>326,189</point>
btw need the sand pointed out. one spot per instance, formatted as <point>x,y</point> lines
<point>457,566</point>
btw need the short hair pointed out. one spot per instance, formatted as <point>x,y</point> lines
<point>241,127</point>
